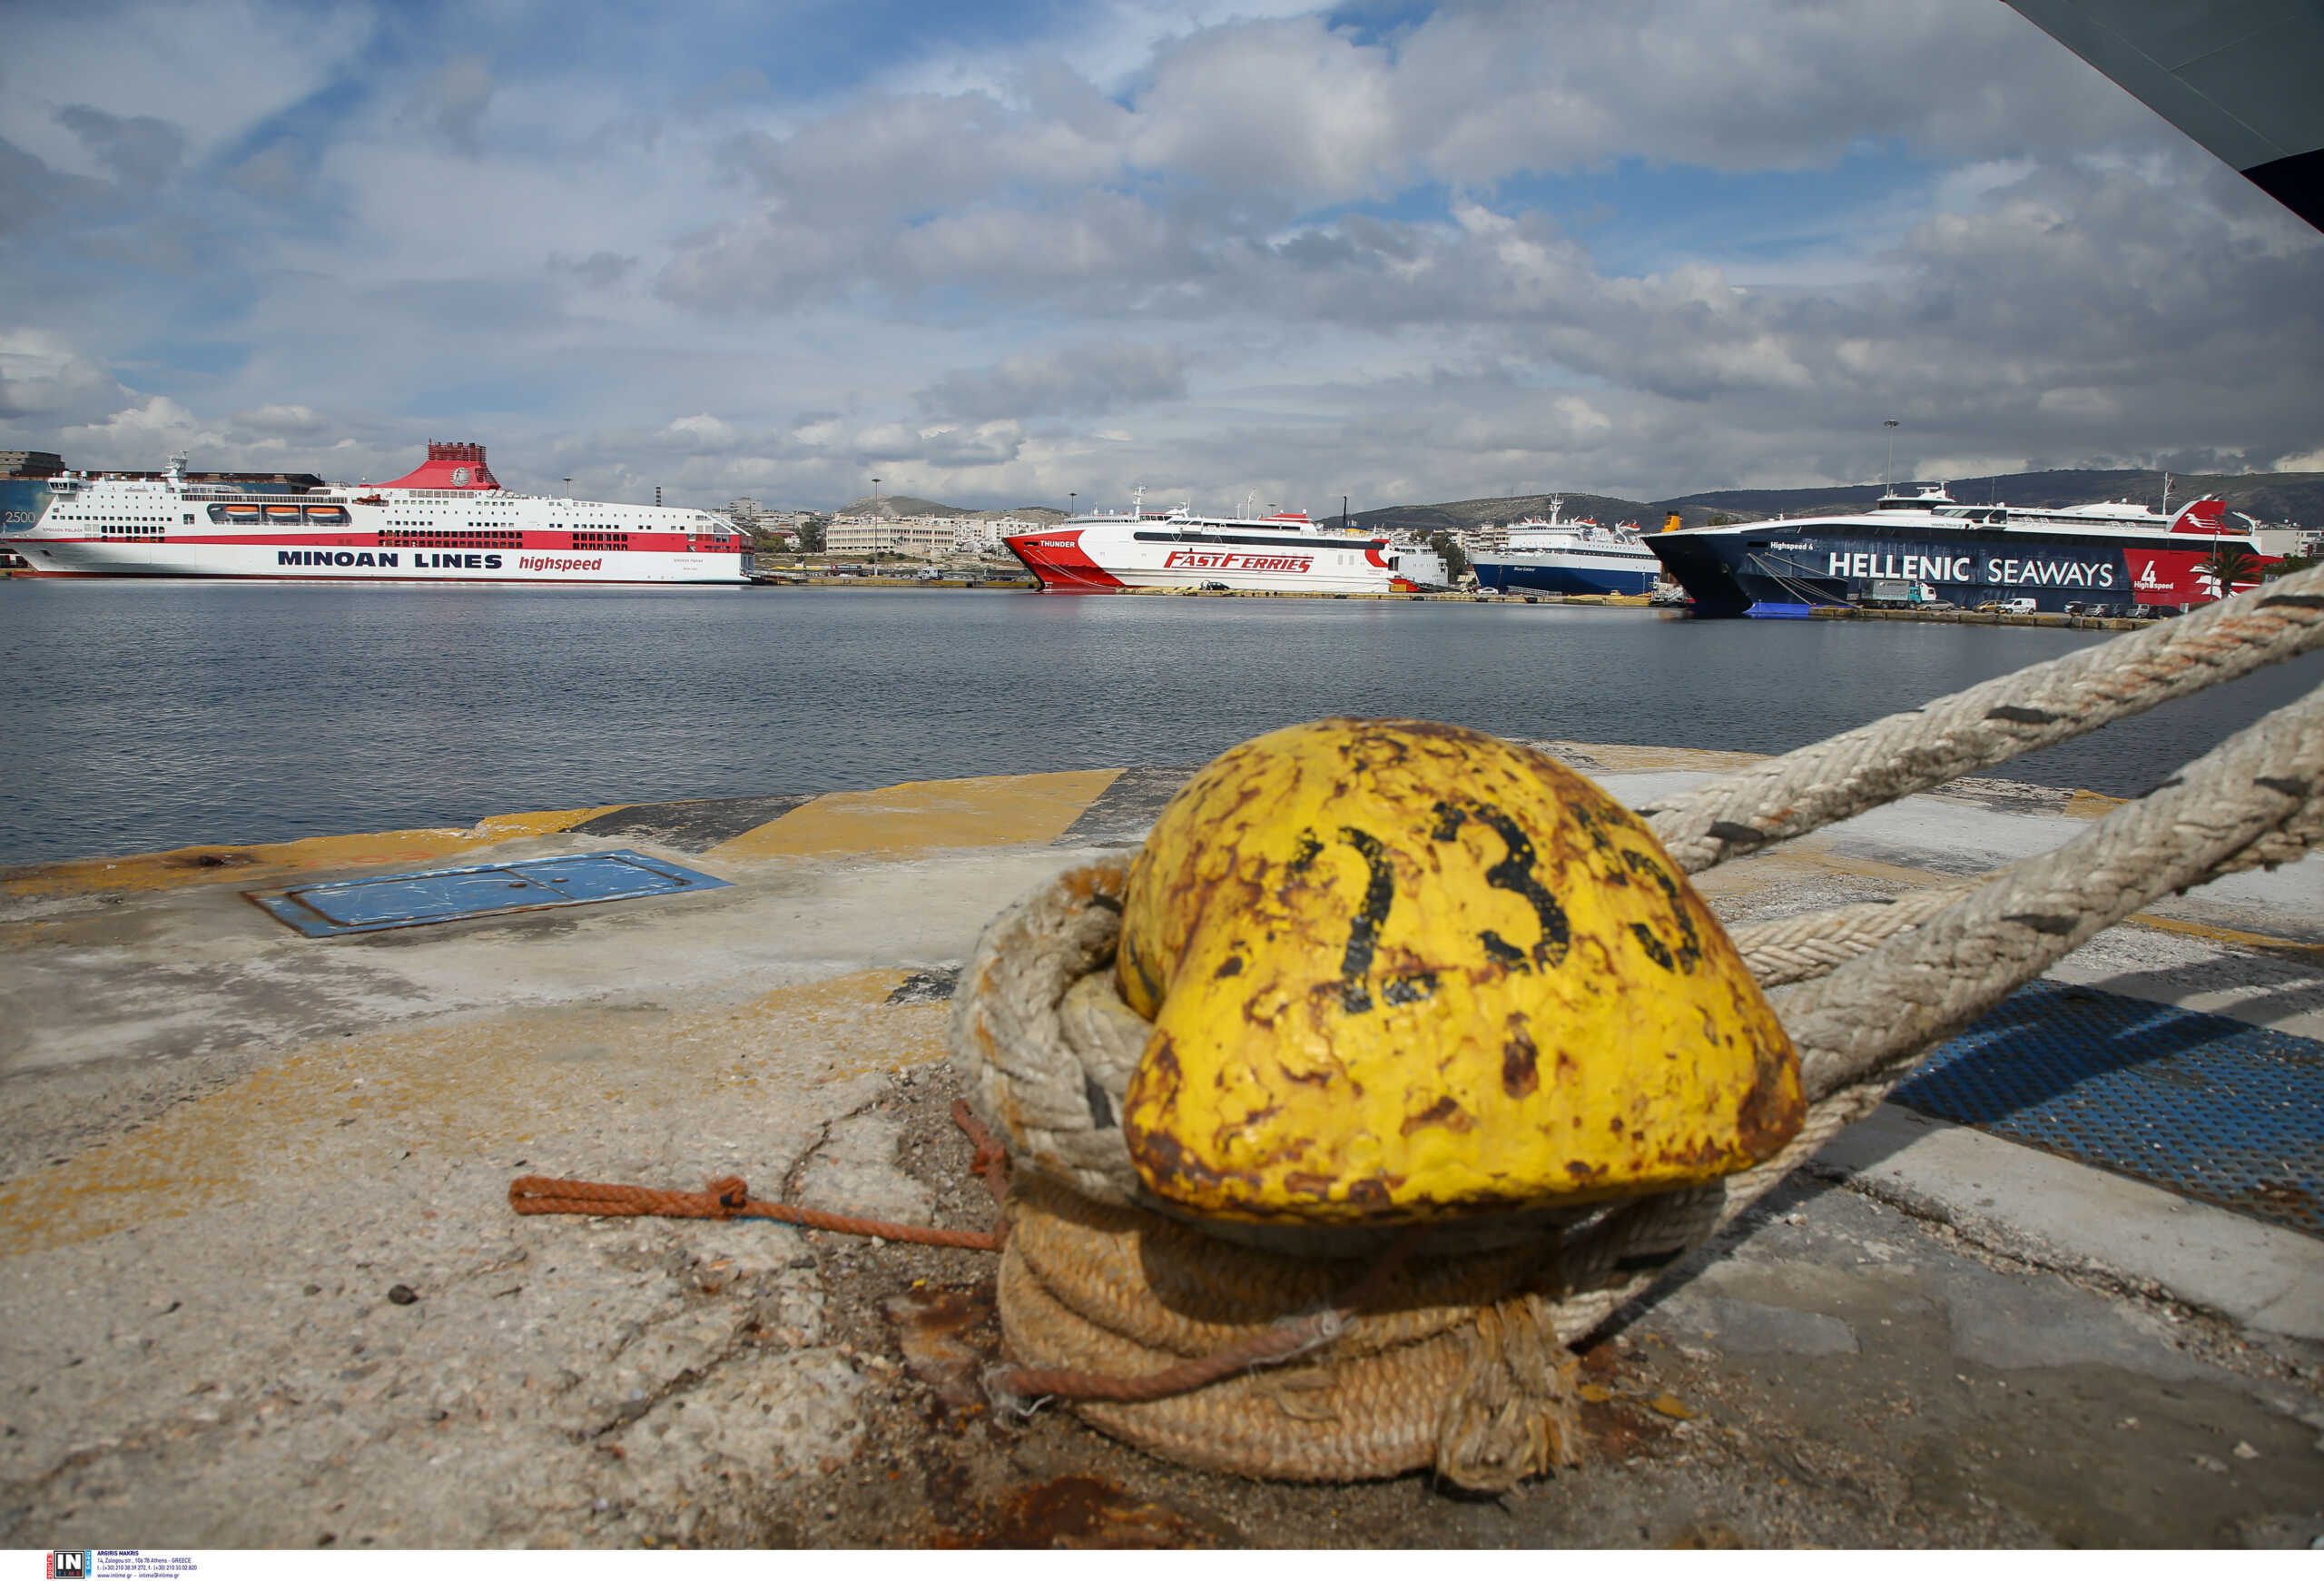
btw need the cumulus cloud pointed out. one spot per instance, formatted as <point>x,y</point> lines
<point>141,150</point>
<point>1437,259</point>
<point>43,378</point>
<point>277,172</point>
<point>1077,380</point>
<point>135,435</point>
<point>31,190</point>
<point>291,420</point>
<point>451,103</point>
<point>599,271</point>
<point>740,85</point>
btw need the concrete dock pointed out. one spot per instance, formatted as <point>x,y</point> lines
<point>260,1283</point>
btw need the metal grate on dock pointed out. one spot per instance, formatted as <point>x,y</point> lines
<point>407,900</point>
<point>2203,1105</point>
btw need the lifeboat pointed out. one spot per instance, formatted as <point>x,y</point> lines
<point>282,514</point>
<point>327,515</point>
<point>242,515</point>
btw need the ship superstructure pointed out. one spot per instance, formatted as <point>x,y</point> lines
<point>448,520</point>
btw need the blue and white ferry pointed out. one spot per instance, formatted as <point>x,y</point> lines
<point>1558,556</point>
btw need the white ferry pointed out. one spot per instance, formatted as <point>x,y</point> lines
<point>1558,556</point>
<point>449,520</point>
<point>1110,552</point>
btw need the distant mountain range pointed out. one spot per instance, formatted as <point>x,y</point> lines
<point>2272,497</point>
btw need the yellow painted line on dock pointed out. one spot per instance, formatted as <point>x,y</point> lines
<point>239,864</point>
<point>2083,803</point>
<point>2267,942</point>
<point>893,821</point>
<point>1614,759</point>
<point>540,1083</point>
<point>928,815</point>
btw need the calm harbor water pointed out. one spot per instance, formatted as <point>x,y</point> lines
<point>141,716</point>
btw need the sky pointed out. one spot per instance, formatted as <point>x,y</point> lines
<point>1023,254</point>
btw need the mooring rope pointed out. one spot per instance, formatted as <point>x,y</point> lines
<point>1896,1000</point>
<point>1781,797</point>
<point>1863,988</point>
<point>1862,991</point>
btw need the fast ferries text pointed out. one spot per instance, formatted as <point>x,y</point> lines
<point>1230,560</point>
<point>1957,568</point>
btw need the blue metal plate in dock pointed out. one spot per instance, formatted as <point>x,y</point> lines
<point>2203,1105</point>
<point>404,900</point>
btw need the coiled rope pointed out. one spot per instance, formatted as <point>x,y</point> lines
<point>1339,1354</point>
<point>1461,1363</point>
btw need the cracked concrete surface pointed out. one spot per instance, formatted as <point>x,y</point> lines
<point>260,1283</point>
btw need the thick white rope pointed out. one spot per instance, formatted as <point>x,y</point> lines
<point>1897,999</point>
<point>1050,1045</point>
<point>2044,704</point>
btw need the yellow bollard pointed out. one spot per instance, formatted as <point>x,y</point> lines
<point>1401,971</point>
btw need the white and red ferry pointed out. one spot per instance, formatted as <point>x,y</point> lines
<point>1110,552</point>
<point>449,520</point>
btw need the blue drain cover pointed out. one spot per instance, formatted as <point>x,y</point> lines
<point>2202,1105</point>
<point>404,900</point>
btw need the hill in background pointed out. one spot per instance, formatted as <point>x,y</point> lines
<point>1605,509</point>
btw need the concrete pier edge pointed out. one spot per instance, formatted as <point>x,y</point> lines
<point>189,1078</point>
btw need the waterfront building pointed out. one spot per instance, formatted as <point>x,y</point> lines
<point>871,535</point>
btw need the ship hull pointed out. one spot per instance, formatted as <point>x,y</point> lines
<point>1117,557</point>
<point>1727,570</point>
<point>302,562</point>
<point>1566,572</point>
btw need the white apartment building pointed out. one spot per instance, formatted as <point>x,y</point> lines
<point>874,535</point>
<point>982,536</point>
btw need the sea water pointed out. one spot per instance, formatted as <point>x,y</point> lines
<point>139,715</point>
